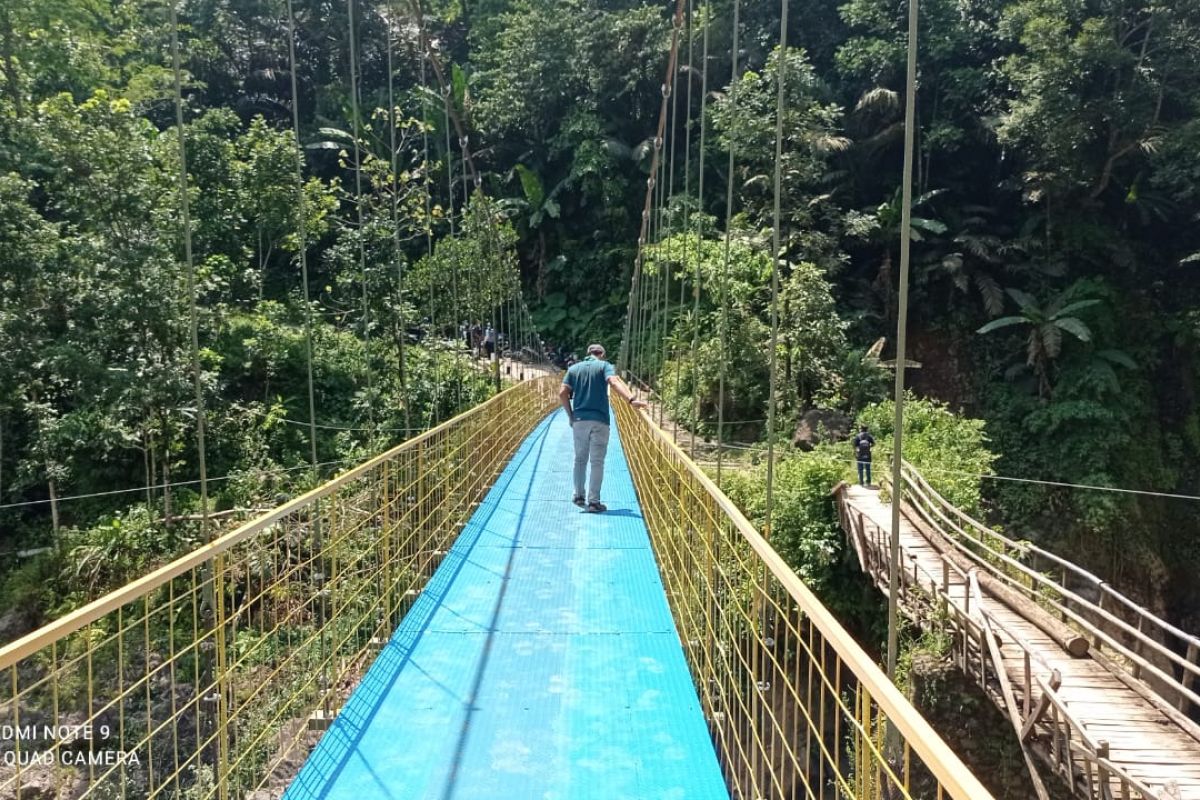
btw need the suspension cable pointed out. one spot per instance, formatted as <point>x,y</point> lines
<point>776,255</point>
<point>724,288</point>
<point>699,229</point>
<point>910,104</point>
<point>193,311</point>
<point>664,326</point>
<point>396,256</point>
<point>626,349</point>
<point>302,242</point>
<point>435,403</point>
<point>687,217</point>
<point>468,164</point>
<point>362,253</point>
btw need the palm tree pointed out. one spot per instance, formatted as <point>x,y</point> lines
<point>1046,324</point>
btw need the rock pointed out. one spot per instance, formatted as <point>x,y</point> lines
<point>821,425</point>
<point>14,624</point>
<point>46,782</point>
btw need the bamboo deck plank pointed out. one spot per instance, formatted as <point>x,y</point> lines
<point>1142,740</point>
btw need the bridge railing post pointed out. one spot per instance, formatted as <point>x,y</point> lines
<point>1189,677</point>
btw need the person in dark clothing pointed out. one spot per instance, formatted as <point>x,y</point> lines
<point>863,443</point>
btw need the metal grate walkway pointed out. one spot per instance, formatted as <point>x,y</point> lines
<point>541,661</point>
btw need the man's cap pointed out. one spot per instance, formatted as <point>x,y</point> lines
<point>595,350</point>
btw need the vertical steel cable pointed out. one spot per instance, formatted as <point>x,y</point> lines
<point>435,400</point>
<point>218,573</point>
<point>733,98</point>
<point>635,278</point>
<point>193,311</point>
<point>302,244</point>
<point>910,124</point>
<point>665,327</point>
<point>687,217</point>
<point>446,97</point>
<point>776,255</point>
<point>449,167</point>
<point>660,216</point>
<point>699,236</point>
<point>362,253</point>
<point>399,263</point>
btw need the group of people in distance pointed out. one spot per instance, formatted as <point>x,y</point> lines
<point>584,398</point>
<point>481,340</point>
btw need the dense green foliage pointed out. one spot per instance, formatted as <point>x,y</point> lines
<point>948,449</point>
<point>1054,275</point>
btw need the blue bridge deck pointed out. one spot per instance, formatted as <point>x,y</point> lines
<point>541,661</point>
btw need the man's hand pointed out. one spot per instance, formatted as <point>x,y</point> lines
<point>639,403</point>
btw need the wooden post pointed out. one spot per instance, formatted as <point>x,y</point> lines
<point>1137,649</point>
<point>1028,686</point>
<point>1063,584</point>
<point>1188,677</point>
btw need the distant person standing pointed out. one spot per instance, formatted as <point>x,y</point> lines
<point>489,341</point>
<point>863,443</point>
<point>584,396</point>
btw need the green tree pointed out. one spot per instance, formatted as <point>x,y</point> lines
<point>1046,323</point>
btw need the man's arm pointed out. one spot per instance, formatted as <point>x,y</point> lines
<point>624,391</point>
<point>564,397</point>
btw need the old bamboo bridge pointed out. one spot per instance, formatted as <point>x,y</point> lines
<point>1096,687</point>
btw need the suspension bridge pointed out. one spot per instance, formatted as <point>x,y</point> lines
<point>441,621</point>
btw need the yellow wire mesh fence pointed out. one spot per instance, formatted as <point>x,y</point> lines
<point>214,675</point>
<point>795,707</point>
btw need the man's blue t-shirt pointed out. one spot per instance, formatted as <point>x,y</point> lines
<point>589,388</point>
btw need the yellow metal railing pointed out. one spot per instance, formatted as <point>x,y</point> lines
<point>795,707</point>
<point>213,676</point>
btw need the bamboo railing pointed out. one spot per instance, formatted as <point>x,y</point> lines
<point>1043,720</point>
<point>1056,584</point>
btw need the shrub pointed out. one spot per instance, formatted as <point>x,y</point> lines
<point>806,532</point>
<point>949,450</point>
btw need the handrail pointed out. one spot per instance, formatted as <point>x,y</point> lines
<point>1097,635</point>
<point>222,661</point>
<point>941,760</point>
<point>939,505</point>
<point>1088,577</point>
<point>1077,734</point>
<point>76,620</point>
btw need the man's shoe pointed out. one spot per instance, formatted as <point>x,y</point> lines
<point>579,501</point>
<point>596,508</point>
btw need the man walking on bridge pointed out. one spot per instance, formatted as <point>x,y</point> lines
<point>584,396</point>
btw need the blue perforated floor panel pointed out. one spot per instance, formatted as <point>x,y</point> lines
<point>541,661</point>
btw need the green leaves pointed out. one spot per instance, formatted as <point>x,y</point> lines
<point>1002,322</point>
<point>458,81</point>
<point>532,185</point>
